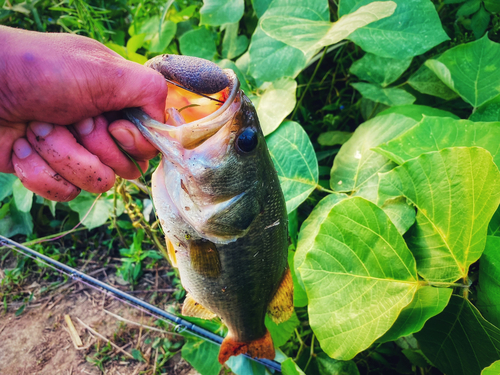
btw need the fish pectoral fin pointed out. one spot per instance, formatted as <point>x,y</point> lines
<point>260,348</point>
<point>171,252</point>
<point>280,308</point>
<point>195,309</point>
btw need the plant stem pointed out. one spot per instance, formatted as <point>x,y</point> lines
<point>308,84</point>
<point>311,353</point>
<point>321,188</point>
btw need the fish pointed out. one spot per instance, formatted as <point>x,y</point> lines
<point>219,201</point>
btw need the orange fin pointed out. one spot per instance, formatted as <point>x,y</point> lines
<point>280,309</point>
<point>196,310</point>
<point>260,348</point>
<point>204,258</point>
<point>171,252</point>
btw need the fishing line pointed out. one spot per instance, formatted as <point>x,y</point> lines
<point>182,325</point>
<point>194,92</point>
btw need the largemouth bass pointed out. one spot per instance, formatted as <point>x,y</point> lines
<point>220,204</point>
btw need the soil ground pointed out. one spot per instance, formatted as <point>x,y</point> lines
<point>38,341</point>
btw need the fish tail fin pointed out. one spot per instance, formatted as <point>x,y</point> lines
<point>260,348</point>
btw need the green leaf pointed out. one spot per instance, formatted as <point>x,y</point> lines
<point>160,41</point>
<point>492,6</point>
<point>51,205</point>
<point>277,101</point>
<point>260,6</point>
<point>202,355</point>
<point>6,182</point>
<point>456,191</point>
<point>330,366</point>
<point>138,355</point>
<point>468,8</point>
<point>219,12</point>
<point>358,276</point>
<point>15,221</point>
<point>99,214</point>
<point>228,64</point>
<point>472,70</point>
<point>241,365</point>
<point>400,212</point>
<point>437,133</point>
<point>135,42</point>
<point>310,228</point>
<point>427,82</point>
<point>22,196</point>
<point>428,302</point>
<point>271,59</point>
<point>412,30</point>
<point>488,292</point>
<point>494,369</point>
<point>489,111</point>
<point>311,34</point>
<point>233,44</point>
<point>289,367</point>
<point>299,294</point>
<point>198,43</point>
<point>282,332</point>
<point>480,22</point>
<point>295,161</point>
<point>380,70</point>
<point>391,96</point>
<point>459,341</point>
<point>356,166</point>
<point>417,112</point>
<point>333,138</point>
<point>494,225</point>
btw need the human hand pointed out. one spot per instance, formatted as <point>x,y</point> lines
<point>50,81</point>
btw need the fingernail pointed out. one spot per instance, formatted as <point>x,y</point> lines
<point>41,128</point>
<point>124,137</point>
<point>22,148</point>
<point>85,127</point>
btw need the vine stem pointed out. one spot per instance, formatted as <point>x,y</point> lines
<point>299,352</point>
<point>321,188</point>
<point>308,84</point>
<point>311,353</point>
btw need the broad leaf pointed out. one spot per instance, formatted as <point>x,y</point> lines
<point>494,369</point>
<point>299,294</point>
<point>417,112</point>
<point>400,212</point>
<point>413,29</point>
<point>310,35</point>
<point>271,59</point>
<point>428,302</point>
<point>330,366</point>
<point>228,64</point>
<point>492,6</point>
<point>356,167</point>
<point>427,82</point>
<point>310,228</point>
<point>456,191</point>
<point>437,133</point>
<point>358,276</point>
<point>219,12</point>
<point>379,70</point>
<point>202,355</point>
<point>472,70</point>
<point>282,332</point>
<point>6,181</point>
<point>198,43</point>
<point>489,111</point>
<point>459,341</point>
<point>488,293</point>
<point>391,96</point>
<point>277,101</point>
<point>150,33</point>
<point>295,161</point>
<point>22,196</point>
<point>494,225</point>
<point>289,367</point>
<point>233,44</point>
<point>96,216</point>
<point>15,221</point>
<point>241,365</point>
<point>333,138</point>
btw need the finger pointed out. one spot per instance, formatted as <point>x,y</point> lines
<point>36,175</point>
<point>8,135</point>
<point>131,140</point>
<point>59,148</point>
<point>94,136</point>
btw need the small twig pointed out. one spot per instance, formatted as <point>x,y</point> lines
<point>5,325</point>
<point>105,339</point>
<point>140,325</point>
<point>73,334</point>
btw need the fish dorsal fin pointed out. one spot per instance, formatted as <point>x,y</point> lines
<point>195,309</point>
<point>280,308</point>
<point>171,252</point>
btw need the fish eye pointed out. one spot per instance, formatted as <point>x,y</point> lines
<point>247,140</point>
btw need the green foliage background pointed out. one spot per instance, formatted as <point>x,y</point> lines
<point>383,121</point>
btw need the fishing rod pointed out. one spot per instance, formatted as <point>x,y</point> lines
<point>152,310</point>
